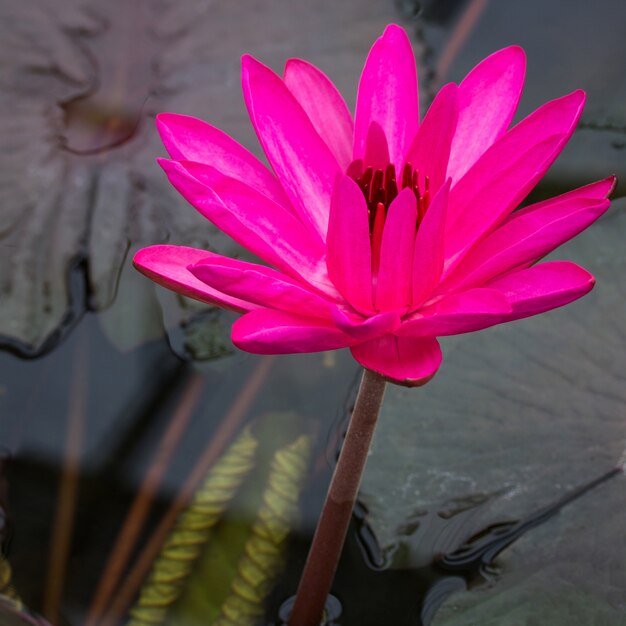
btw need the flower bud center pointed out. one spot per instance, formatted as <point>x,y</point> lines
<point>380,188</point>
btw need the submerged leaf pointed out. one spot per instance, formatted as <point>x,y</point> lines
<point>188,538</point>
<point>6,582</point>
<point>263,553</point>
<point>209,584</point>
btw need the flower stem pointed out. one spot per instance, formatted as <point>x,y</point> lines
<point>332,527</point>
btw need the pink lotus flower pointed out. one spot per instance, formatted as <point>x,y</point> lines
<point>383,233</point>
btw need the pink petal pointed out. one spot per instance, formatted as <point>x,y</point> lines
<point>429,247</point>
<point>167,266</point>
<point>504,175</point>
<point>599,190</point>
<point>458,313</point>
<point>251,219</point>
<point>430,149</point>
<point>349,256</point>
<point>261,285</point>
<point>364,328</point>
<point>302,161</point>
<point>277,332</point>
<point>488,98</point>
<point>404,360</point>
<point>524,238</point>
<point>388,95</point>
<point>324,105</point>
<point>543,287</point>
<point>190,139</point>
<point>393,287</point>
<point>376,148</point>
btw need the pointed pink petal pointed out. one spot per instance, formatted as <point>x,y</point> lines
<point>167,266</point>
<point>363,328</point>
<point>429,247</point>
<point>393,287</point>
<point>488,98</point>
<point>278,332</point>
<point>324,105</point>
<point>302,161</point>
<point>403,360</point>
<point>524,238</point>
<point>190,139</point>
<point>388,95</point>
<point>261,285</point>
<point>505,174</point>
<point>599,190</point>
<point>458,313</point>
<point>430,149</point>
<point>251,219</point>
<point>543,287</point>
<point>349,256</point>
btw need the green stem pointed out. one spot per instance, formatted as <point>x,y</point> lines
<point>332,527</point>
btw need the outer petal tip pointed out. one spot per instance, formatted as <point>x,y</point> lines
<point>516,53</point>
<point>517,57</point>
<point>250,64</point>
<point>167,266</point>
<point>293,63</point>
<point>163,121</point>
<point>247,59</point>
<point>394,31</point>
<point>579,96</point>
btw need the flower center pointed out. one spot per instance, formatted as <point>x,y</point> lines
<point>380,188</point>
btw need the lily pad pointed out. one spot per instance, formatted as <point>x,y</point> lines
<point>518,415</point>
<point>566,573</point>
<point>82,81</point>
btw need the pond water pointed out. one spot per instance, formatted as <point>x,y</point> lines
<point>490,496</point>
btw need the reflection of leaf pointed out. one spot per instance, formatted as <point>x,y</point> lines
<point>182,548</point>
<point>517,416</point>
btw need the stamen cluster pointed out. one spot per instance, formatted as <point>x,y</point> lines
<point>380,188</point>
